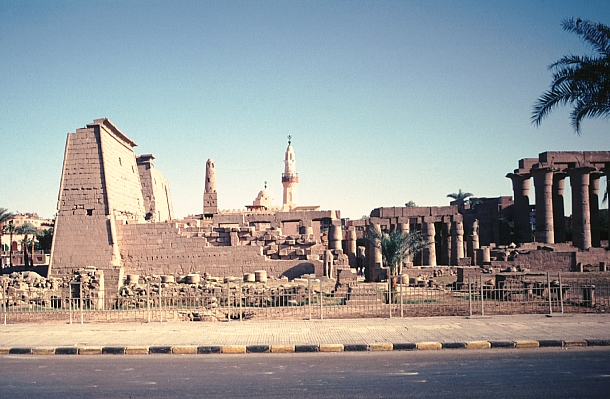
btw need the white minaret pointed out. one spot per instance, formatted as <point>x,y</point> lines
<point>290,178</point>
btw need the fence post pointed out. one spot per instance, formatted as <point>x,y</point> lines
<point>4,299</point>
<point>309,294</point>
<point>80,300</point>
<point>70,301</point>
<point>560,292</point>
<point>390,292</point>
<point>321,308</point>
<point>482,310</point>
<point>160,307</point>
<point>148,299</point>
<point>469,296</point>
<point>548,286</point>
<point>401,308</point>
<point>228,301</point>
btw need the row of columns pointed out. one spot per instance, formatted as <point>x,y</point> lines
<point>452,243</point>
<point>550,225</point>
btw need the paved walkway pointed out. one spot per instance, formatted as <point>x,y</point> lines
<point>358,332</point>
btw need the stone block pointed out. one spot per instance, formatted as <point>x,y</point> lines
<point>429,345</point>
<point>478,345</point>
<point>136,350</point>
<point>184,350</point>
<point>90,350</point>
<point>527,344</point>
<point>331,348</point>
<point>233,349</point>
<point>381,346</point>
<point>282,348</point>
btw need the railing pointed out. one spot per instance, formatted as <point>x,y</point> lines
<point>242,301</point>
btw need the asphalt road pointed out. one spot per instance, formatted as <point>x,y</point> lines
<point>498,373</point>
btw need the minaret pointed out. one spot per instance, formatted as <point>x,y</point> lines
<point>210,198</point>
<point>290,178</point>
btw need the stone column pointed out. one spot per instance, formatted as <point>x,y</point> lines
<point>594,208</point>
<point>543,181</point>
<point>457,242</point>
<point>473,242</point>
<point>335,235</point>
<point>351,247</point>
<point>429,253</point>
<point>521,194</point>
<point>446,244</point>
<point>581,211</point>
<point>558,207</point>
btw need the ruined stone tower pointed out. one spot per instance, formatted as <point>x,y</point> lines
<point>290,178</point>
<point>155,189</point>
<point>210,197</point>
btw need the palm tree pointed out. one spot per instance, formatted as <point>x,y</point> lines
<point>396,247</point>
<point>11,229</point>
<point>461,197</point>
<point>581,81</point>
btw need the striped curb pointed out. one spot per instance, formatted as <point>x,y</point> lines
<point>426,346</point>
<point>381,347</point>
<point>306,348</point>
<point>309,348</point>
<point>90,350</point>
<point>454,345</point>
<point>598,342</point>
<point>113,350</point>
<point>158,350</point>
<point>527,344</point>
<point>549,343</point>
<point>136,350</point>
<point>233,349</point>
<point>404,347</point>
<point>184,350</point>
<point>574,343</point>
<point>204,350</point>
<point>20,351</point>
<point>257,349</point>
<point>502,344</point>
<point>331,348</point>
<point>355,347</point>
<point>282,348</point>
<point>72,350</point>
<point>43,351</point>
<point>478,345</point>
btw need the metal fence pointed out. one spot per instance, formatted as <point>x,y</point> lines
<point>242,301</point>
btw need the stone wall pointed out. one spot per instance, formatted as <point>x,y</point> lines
<point>163,248</point>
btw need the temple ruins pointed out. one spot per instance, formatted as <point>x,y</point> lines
<point>115,215</point>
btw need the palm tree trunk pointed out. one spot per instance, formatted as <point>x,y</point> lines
<point>32,253</point>
<point>10,249</point>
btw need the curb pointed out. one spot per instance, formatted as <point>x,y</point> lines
<point>308,348</point>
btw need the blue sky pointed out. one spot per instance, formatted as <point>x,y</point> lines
<point>386,101</point>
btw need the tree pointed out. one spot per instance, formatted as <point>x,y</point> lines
<point>45,239</point>
<point>397,246</point>
<point>5,216</point>
<point>581,81</point>
<point>410,204</point>
<point>11,229</point>
<point>461,197</point>
<point>27,229</point>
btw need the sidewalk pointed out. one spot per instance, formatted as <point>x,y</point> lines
<point>308,335</point>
